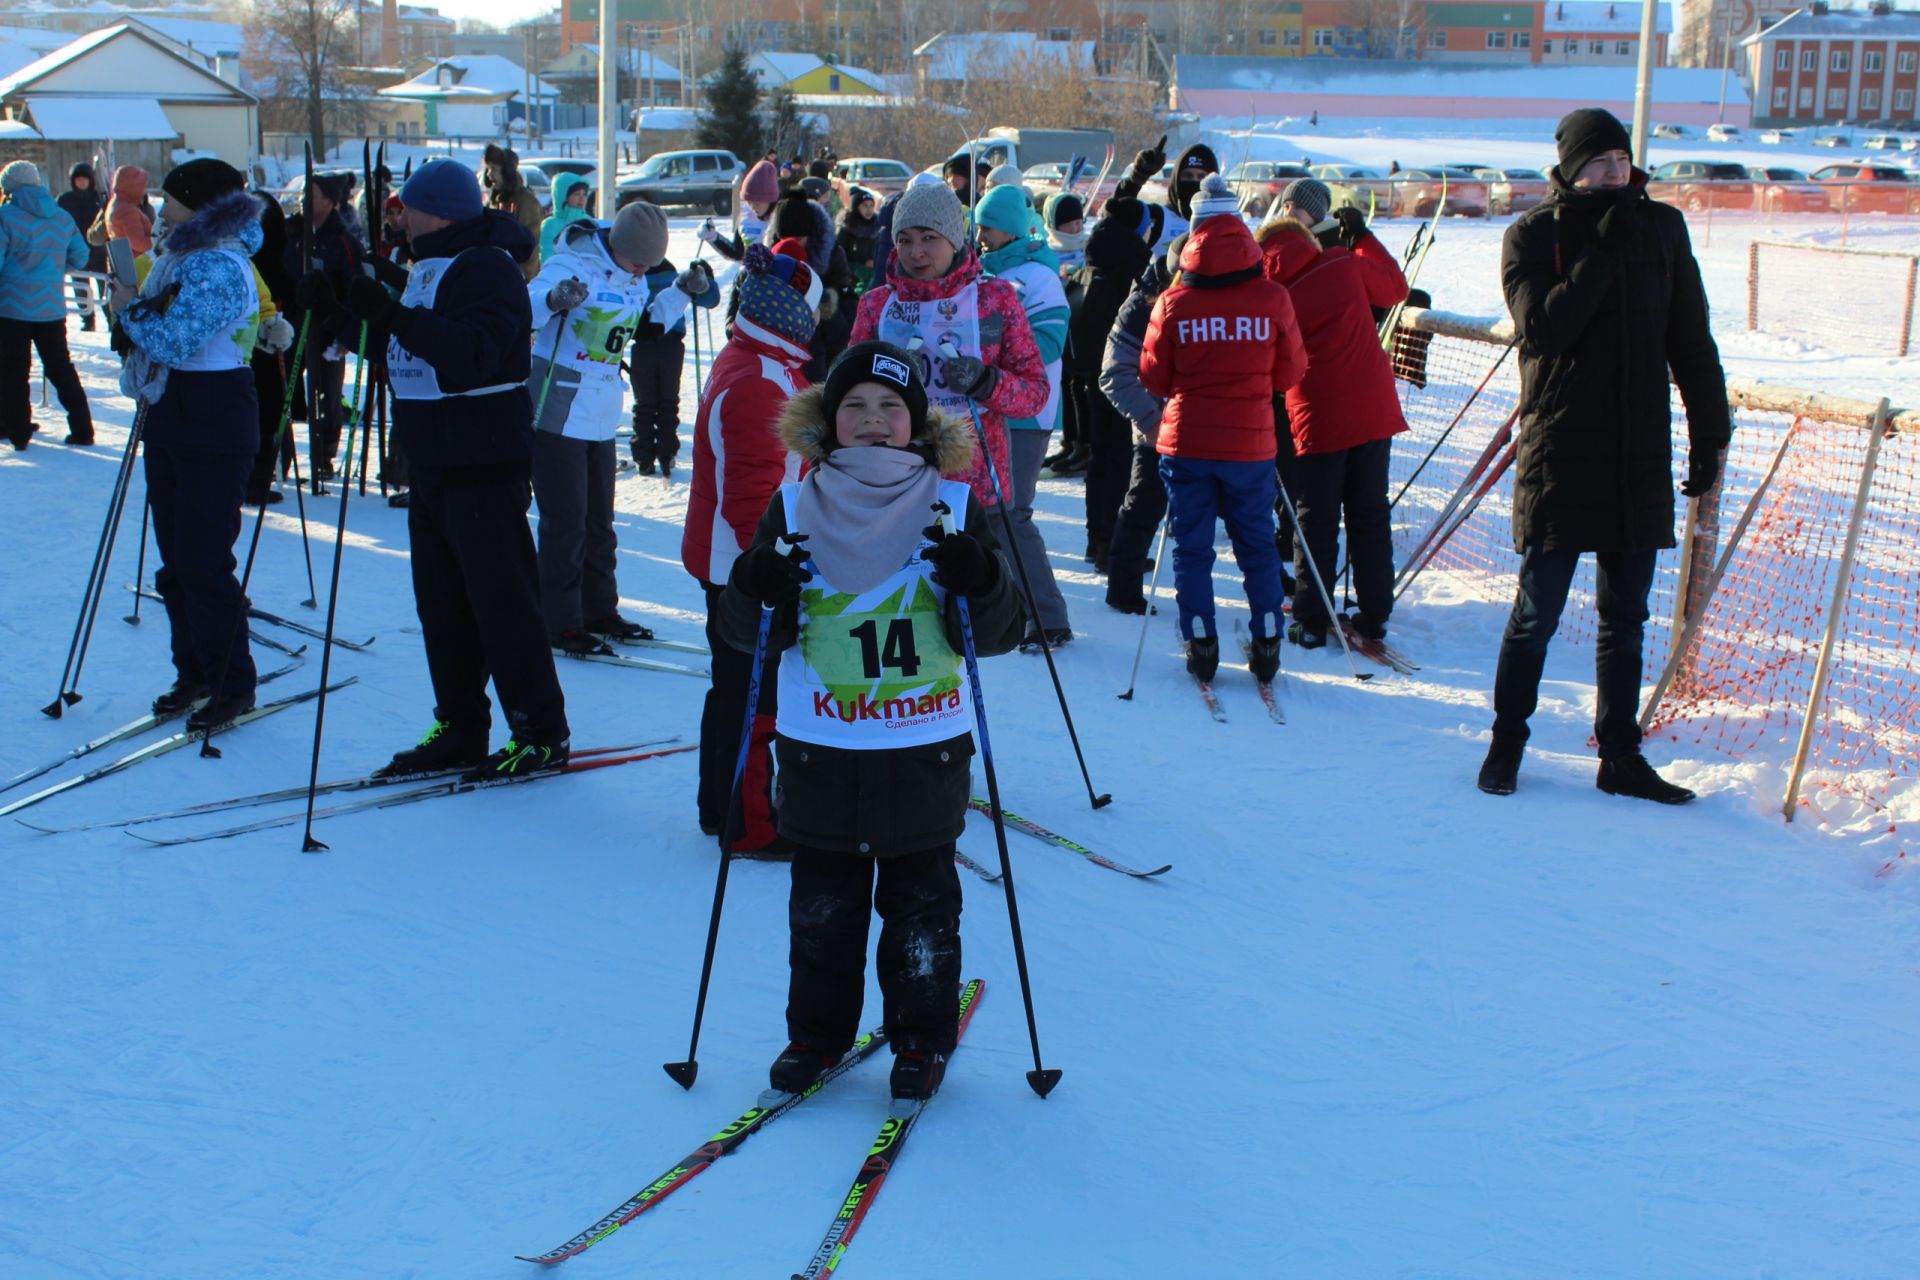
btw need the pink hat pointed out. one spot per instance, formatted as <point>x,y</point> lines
<point>762,185</point>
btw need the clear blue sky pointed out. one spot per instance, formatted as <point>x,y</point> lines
<point>499,12</point>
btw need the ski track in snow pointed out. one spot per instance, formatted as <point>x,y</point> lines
<point>1373,1024</point>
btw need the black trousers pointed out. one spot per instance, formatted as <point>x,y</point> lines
<point>834,896</point>
<point>1325,484</point>
<point>477,591</point>
<point>573,480</point>
<point>1141,512</point>
<point>656,367</point>
<point>196,501</point>
<point>1110,437</point>
<point>270,388</point>
<point>19,340</point>
<point>1624,579</point>
<point>1073,412</point>
<point>325,419</point>
<point>721,718</point>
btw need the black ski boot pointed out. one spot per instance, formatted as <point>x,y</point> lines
<point>799,1066</point>
<point>1629,774</point>
<point>1203,657</point>
<point>1135,605</point>
<point>1365,627</point>
<point>180,698</point>
<point>1056,638</point>
<point>522,759</point>
<point>580,644</point>
<point>615,627</point>
<point>1263,658</point>
<point>444,747</point>
<point>220,710</point>
<point>917,1073</point>
<point>1500,771</point>
<point>1307,635</point>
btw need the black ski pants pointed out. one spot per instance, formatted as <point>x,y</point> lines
<point>656,366</point>
<point>1110,438</point>
<point>1324,485</point>
<point>1141,512</point>
<point>833,898</point>
<point>270,389</point>
<point>19,340</point>
<point>1623,580</point>
<point>477,591</point>
<point>573,482</point>
<point>721,718</point>
<point>326,416</point>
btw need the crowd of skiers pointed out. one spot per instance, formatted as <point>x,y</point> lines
<point>916,353</point>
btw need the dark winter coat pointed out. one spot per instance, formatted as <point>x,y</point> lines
<point>85,207</point>
<point>1120,363</point>
<point>475,335</point>
<point>1116,255</point>
<point>336,253</point>
<point>859,238</point>
<point>1600,329</point>
<point>882,803</point>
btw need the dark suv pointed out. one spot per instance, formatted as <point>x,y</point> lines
<point>700,178</point>
<point>1695,185</point>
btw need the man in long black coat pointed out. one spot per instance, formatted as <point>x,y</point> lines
<point>1605,291</point>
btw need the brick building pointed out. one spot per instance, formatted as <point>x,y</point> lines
<point>1822,66</point>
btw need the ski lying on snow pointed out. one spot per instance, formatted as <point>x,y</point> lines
<point>433,791</point>
<point>268,642</point>
<point>261,615</point>
<point>1377,650</point>
<point>171,742</point>
<point>363,782</point>
<point>772,1105</point>
<point>637,664</point>
<point>672,646</point>
<point>1269,698</point>
<point>991,877</point>
<point>131,729</point>
<point>881,1157</point>
<point>1038,832</point>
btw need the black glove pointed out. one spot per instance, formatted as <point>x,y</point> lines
<point>1149,162</point>
<point>1703,468</point>
<point>315,293</point>
<point>770,575</point>
<point>969,375</point>
<point>1615,229</point>
<point>369,301</point>
<point>1353,225</point>
<point>961,562</point>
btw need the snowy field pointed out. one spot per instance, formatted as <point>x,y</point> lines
<point>1372,1024</point>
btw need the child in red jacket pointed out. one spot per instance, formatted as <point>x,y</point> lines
<point>1221,343</point>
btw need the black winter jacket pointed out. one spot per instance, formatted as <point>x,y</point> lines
<point>1599,330</point>
<point>1116,256</point>
<point>475,335</point>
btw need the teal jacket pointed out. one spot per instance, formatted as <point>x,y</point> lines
<point>563,186</point>
<point>1033,270</point>
<point>39,244</point>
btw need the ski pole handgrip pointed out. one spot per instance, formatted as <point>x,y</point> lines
<point>944,515</point>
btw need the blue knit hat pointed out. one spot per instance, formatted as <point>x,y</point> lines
<point>444,188</point>
<point>780,294</point>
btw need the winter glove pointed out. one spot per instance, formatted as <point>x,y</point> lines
<point>369,301</point>
<point>961,562</point>
<point>1148,162</point>
<point>1615,229</point>
<point>276,335</point>
<point>772,573</point>
<point>1703,468</point>
<point>315,293</point>
<point>567,295</point>
<point>969,375</point>
<point>706,231</point>
<point>695,280</point>
<point>1353,225</point>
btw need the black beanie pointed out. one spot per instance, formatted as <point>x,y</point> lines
<point>1586,133</point>
<point>1180,193</point>
<point>198,183</point>
<point>792,216</point>
<point>880,362</point>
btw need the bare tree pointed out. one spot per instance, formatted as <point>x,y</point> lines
<point>1387,28</point>
<point>303,43</point>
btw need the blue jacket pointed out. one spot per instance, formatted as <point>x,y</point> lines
<point>38,246</point>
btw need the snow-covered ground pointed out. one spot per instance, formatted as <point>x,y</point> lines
<point>1372,1024</point>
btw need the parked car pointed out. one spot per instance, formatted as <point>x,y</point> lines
<point>703,179</point>
<point>1777,190</point>
<point>1882,142</point>
<point>882,177</point>
<point>1259,183</point>
<point>1834,140</point>
<point>1695,185</point>
<point>1513,190</point>
<point>1859,187</point>
<point>1723,133</point>
<point>1774,137</point>
<point>1669,131</point>
<point>1417,192</point>
<point>1356,185</point>
<point>1910,144</point>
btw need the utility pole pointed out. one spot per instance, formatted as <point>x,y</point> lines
<point>1726,65</point>
<point>1643,84</point>
<point>609,106</point>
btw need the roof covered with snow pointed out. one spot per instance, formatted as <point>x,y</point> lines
<point>210,38</point>
<point>80,47</point>
<point>1392,79</point>
<point>642,61</point>
<point>102,119</point>
<point>777,67</point>
<point>475,76</point>
<point>1841,24</point>
<point>981,54</point>
<point>14,56</point>
<point>1601,15</point>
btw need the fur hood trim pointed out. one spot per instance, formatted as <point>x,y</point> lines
<point>803,428</point>
<point>233,217</point>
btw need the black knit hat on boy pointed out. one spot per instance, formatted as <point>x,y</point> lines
<point>880,362</point>
<point>1586,133</point>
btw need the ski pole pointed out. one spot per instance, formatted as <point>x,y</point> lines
<point>292,458</point>
<point>1153,588</point>
<point>1101,799</point>
<point>684,1073</point>
<point>1451,425</point>
<point>1313,567</point>
<point>546,383</point>
<point>1041,1078</point>
<point>309,844</point>
<point>69,692</point>
<point>140,565</point>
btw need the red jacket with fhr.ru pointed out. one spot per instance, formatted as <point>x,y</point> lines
<point>1222,343</point>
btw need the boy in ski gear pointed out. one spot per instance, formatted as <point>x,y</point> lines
<point>458,359</point>
<point>1221,342</point>
<point>739,463</point>
<point>192,329</point>
<point>570,194</point>
<point>937,297</point>
<point>39,244</point>
<point>656,357</point>
<point>1341,417</point>
<point>1607,297</point>
<point>874,731</point>
<point>1012,251</point>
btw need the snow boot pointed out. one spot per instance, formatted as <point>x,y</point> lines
<point>215,712</point>
<point>1133,604</point>
<point>1307,635</point>
<point>522,759</point>
<point>615,627</point>
<point>1500,771</point>
<point>917,1073</point>
<point>1203,657</point>
<point>1056,637</point>
<point>643,465</point>
<point>1629,774</point>
<point>579,644</point>
<point>180,698</point>
<point>799,1067</point>
<point>1263,658</point>
<point>443,747</point>
<point>1365,627</point>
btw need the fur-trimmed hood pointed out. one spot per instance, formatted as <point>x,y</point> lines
<point>231,221</point>
<point>803,428</point>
